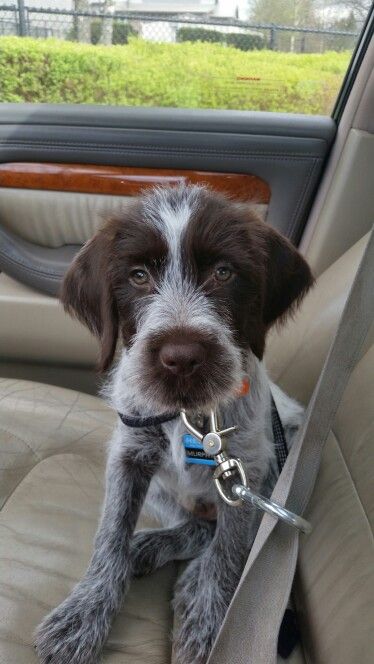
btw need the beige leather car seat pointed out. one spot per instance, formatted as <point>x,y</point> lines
<point>52,451</point>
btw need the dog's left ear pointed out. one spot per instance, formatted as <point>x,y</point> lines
<point>287,279</point>
<point>87,293</point>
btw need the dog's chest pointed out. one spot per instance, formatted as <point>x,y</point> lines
<point>188,484</point>
<point>192,484</point>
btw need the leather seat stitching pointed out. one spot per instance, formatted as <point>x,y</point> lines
<point>57,574</point>
<point>68,472</point>
<point>18,468</point>
<point>24,596</point>
<point>69,410</point>
<point>28,445</point>
<point>309,181</point>
<point>77,145</point>
<point>40,460</point>
<point>17,485</point>
<point>18,391</point>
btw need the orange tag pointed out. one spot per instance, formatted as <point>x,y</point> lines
<point>244,388</point>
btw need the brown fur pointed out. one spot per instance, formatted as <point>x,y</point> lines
<point>270,274</point>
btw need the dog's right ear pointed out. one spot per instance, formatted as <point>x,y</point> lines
<point>87,293</point>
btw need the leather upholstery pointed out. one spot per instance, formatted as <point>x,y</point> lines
<point>350,196</point>
<point>35,328</point>
<point>335,583</point>
<point>52,454</point>
<point>55,218</point>
<point>296,352</point>
<point>342,209</point>
<point>334,590</point>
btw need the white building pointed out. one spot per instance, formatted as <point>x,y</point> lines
<point>220,8</point>
<point>40,24</point>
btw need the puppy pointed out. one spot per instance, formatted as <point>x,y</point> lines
<point>191,282</point>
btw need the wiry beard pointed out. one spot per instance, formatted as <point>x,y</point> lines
<point>154,389</point>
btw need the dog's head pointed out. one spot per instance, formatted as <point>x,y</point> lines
<point>192,282</point>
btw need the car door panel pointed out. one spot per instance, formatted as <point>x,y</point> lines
<point>286,151</point>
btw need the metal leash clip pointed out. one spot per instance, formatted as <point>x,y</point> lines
<point>227,467</point>
<point>213,446</point>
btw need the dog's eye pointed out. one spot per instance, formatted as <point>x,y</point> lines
<point>223,273</point>
<point>139,276</point>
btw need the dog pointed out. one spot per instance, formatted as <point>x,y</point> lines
<point>191,282</point>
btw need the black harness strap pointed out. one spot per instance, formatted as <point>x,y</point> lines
<point>140,422</point>
<point>289,634</point>
<point>280,443</point>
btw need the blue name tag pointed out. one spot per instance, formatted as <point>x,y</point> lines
<point>195,451</point>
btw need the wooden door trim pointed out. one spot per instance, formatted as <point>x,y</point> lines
<point>126,181</point>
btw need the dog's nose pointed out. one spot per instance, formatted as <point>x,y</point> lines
<point>182,359</point>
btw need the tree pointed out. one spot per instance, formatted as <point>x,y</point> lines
<point>292,13</point>
<point>344,43</point>
<point>107,27</point>
<point>342,23</point>
<point>295,13</point>
<point>359,8</point>
<point>81,29</point>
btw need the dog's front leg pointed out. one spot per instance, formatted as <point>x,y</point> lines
<point>74,633</point>
<point>205,589</point>
<point>150,549</point>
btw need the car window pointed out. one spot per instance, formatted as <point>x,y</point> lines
<point>263,55</point>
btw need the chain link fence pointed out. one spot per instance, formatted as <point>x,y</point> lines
<point>116,28</point>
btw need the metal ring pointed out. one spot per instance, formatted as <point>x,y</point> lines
<point>235,464</point>
<point>272,508</point>
<point>225,464</point>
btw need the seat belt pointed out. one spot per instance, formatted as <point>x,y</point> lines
<point>250,630</point>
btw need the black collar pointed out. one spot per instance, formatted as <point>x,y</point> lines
<point>277,426</point>
<point>140,422</point>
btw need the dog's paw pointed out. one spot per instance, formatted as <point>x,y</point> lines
<point>72,634</point>
<point>201,608</point>
<point>189,649</point>
<point>193,642</point>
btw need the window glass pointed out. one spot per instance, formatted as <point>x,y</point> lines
<point>263,55</point>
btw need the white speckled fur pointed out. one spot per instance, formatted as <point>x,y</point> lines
<point>148,467</point>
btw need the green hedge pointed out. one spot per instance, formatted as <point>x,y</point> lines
<point>245,42</point>
<point>199,35</point>
<point>120,35</point>
<point>122,31</point>
<point>241,40</point>
<point>189,75</point>
<point>96,30</point>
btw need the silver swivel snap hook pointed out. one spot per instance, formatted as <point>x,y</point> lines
<point>213,445</point>
<point>228,467</point>
<point>212,441</point>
